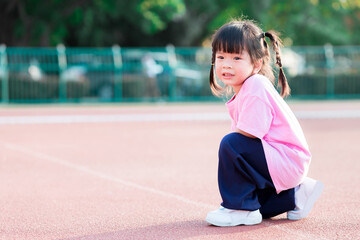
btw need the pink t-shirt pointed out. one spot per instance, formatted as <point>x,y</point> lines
<point>259,110</point>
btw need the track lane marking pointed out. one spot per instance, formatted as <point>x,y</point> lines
<point>91,172</point>
<point>81,168</point>
<point>160,117</point>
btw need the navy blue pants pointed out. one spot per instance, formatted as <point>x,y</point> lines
<point>244,179</point>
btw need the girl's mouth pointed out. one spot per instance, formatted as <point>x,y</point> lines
<point>227,75</point>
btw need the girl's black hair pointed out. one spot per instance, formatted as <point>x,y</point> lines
<point>238,35</point>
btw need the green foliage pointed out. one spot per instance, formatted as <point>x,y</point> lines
<point>310,22</point>
<point>102,23</point>
<point>157,13</point>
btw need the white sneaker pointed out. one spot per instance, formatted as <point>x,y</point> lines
<point>305,197</point>
<point>224,217</point>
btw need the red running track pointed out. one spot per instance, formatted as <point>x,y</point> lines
<point>149,172</point>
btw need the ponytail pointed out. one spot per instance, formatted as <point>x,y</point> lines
<point>216,89</point>
<point>276,44</point>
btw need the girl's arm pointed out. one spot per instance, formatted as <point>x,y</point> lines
<point>245,133</point>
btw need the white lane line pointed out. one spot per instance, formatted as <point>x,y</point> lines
<point>59,161</point>
<point>104,176</point>
<point>114,118</point>
<point>160,117</point>
<point>327,114</point>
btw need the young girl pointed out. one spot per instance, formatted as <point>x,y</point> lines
<point>263,164</point>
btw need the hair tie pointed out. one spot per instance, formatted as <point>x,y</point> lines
<point>263,35</point>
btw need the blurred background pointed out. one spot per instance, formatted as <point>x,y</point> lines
<point>159,50</point>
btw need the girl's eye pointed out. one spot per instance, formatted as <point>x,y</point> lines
<point>220,57</point>
<point>237,58</point>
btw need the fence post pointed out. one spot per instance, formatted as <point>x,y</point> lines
<point>62,67</point>
<point>116,50</point>
<point>329,61</point>
<point>172,65</point>
<point>5,74</point>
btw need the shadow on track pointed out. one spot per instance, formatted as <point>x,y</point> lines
<point>178,230</point>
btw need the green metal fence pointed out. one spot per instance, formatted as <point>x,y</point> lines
<point>31,75</point>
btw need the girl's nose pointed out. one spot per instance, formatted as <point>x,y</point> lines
<point>227,66</point>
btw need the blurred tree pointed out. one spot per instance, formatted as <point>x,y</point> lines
<point>314,22</point>
<point>84,22</point>
<point>308,22</point>
<point>36,22</point>
<point>103,23</point>
<point>191,28</point>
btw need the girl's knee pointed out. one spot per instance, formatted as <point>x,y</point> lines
<point>237,142</point>
<point>230,140</point>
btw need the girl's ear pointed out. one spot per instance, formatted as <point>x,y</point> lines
<point>258,65</point>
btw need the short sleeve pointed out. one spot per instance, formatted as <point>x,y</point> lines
<point>255,117</point>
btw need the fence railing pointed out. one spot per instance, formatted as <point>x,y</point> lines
<point>31,75</point>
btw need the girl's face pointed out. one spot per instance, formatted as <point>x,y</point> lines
<point>234,68</point>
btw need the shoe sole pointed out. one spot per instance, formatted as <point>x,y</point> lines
<point>319,186</point>
<point>248,222</point>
